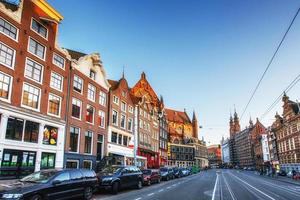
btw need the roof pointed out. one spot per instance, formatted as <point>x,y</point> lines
<point>177,116</point>
<point>75,54</point>
<point>10,5</point>
<point>113,84</point>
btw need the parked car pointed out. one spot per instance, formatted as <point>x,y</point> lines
<point>281,173</point>
<point>52,184</point>
<point>185,171</point>
<point>290,174</point>
<point>120,177</point>
<point>151,176</point>
<point>177,172</point>
<point>166,173</point>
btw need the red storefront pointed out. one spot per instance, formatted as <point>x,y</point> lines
<point>153,158</point>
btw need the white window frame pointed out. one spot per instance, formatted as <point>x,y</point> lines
<point>45,53</point>
<point>130,108</point>
<point>130,119</point>
<point>55,54</point>
<point>14,57</point>
<point>46,38</point>
<point>116,99</point>
<point>95,91</point>
<point>60,100</point>
<point>10,88</point>
<point>112,114</point>
<point>81,84</point>
<point>94,109</point>
<point>71,160</point>
<point>39,103</point>
<point>78,142</point>
<point>92,143</point>
<point>123,109</point>
<point>17,34</point>
<point>42,71</point>
<point>62,81</point>
<point>99,114</point>
<point>90,161</point>
<point>100,97</point>
<point>80,116</point>
<point>125,122</point>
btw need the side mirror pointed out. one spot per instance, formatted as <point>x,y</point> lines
<point>56,182</point>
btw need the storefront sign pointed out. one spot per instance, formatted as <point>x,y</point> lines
<point>50,135</point>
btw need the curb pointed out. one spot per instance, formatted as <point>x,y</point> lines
<point>285,181</point>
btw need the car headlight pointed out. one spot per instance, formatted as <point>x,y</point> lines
<point>12,196</point>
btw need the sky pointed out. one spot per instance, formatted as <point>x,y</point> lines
<point>202,55</point>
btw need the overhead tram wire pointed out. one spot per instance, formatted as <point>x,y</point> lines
<point>287,89</point>
<point>270,62</point>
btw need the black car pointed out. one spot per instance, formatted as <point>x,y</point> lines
<point>281,173</point>
<point>177,172</point>
<point>119,177</point>
<point>166,173</point>
<point>52,184</point>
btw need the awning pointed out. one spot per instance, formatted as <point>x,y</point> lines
<point>127,155</point>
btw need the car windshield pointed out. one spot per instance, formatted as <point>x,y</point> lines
<point>39,177</point>
<point>147,172</point>
<point>111,170</point>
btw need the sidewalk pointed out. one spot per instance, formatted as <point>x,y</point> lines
<point>281,178</point>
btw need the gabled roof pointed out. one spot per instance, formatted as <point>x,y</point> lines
<point>113,84</point>
<point>177,116</point>
<point>75,54</point>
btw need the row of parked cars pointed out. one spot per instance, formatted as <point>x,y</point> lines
<point>81,183</point>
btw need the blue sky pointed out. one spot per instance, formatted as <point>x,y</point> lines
<point>202,55</point>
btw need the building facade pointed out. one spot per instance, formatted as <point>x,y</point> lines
<point>287,132</point>
<point>272,143</point>
<point>163,135</point>
<point>214,155</point>
<point>33,78</point>
<point>86,133</point>
<point>225,150</point>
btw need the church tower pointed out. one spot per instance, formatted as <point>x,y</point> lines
<point>195,125</point>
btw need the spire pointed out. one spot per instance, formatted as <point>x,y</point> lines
<point>285,98</point>
<point>161,99</point>
<point>143,75</point>
<point>251,122</point>
<point>123,73</point>
<point>194,116</point>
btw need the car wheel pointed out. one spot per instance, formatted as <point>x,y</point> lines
<point>88,193</point>
<point>139,184</point>
<point>149,182</point>
<point>158,181</point>
<point>115,188</point>
<point>36,197</point>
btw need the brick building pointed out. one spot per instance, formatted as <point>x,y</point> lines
<point>163,134</point>
<point>273,149</point>
<point>86,133</point>
<point>286,129</point>
<point>33,78</point>
<point>214,155</point>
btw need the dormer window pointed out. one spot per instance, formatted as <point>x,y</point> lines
<point>39,28</point>
<point>92,74</point>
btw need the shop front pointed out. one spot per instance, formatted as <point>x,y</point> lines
<point>151,156</point>
<point>79,161</point>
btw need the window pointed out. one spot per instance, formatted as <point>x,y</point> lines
<point>120,139</point>
<point>91,92</point>
<point>123,121</point>
<point>48,161</point>
<point>115,118</point>
<point>116,100</point>
<point>58,61</point>
<point>114,137</point>
<point>33,70</point>
<point>39,28</point>
<point>74,136</point>
<point>87,164</point>
<point>102,98</point>
<point>101,119</point>
<point>31,96</point>
<point>56,81</point>
<point>130,109</point>
<point>92,74</point>
<point>37,49</point>
<point>5,86</point>
<point>130,124</point>
<point>8,29</point>
<point>54,105</point>
<point>125,140</point>
<point>90,114</point>
<point>88,142</point>
<point>76,108</point>
<point>31,133</point>
<point>14,128</point>
<point>50,135</point>
<point>7,56</point>
<point>72,164</point>
<point>77,84</point>
<point>123,106</point>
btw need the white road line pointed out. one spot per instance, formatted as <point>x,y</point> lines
<point>169,187</point>
<point>138,198</point>
<point>215,188</point>
<point>150,194</point>
<point>252,187</point>
<point>161,190</point>
<point>173,185</point>
<point>228,187</point>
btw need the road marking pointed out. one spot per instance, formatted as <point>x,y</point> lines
<point>229,189</point>
<point>161,190</point>
<point>215,188</point>
<point>150,194</point>
<point>252,187</point>
<point>169,187</point>
<point>173,185</point>
<point>138,198</point>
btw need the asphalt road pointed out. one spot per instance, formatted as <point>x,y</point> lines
<point>212,185</point>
